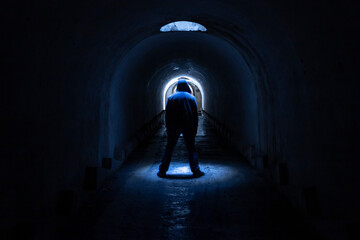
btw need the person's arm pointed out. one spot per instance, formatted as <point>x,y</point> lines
<point>170,114</point>
<point>167,113</point>
<point>195,117</point>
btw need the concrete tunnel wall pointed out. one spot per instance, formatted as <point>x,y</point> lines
<point>138,68</point>
<point>81,80</point>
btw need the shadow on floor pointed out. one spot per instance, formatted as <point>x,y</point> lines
<point>230,202</point>
<point>181,176</point>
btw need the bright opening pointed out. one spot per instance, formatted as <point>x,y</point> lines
<point>182,26</point>
<point>191,81</point>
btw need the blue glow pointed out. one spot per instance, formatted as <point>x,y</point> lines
<point>180,170</point>
<point>182,26</point>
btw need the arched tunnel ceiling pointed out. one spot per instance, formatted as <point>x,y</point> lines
<point>106,26</point>
<point>80,79</point>
<point>192,53</point>
<point>216,64</point>
<point>228,60</point>
<point>103,50</point>
<point>103,32</point>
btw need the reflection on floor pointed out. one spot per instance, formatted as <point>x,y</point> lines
<point>230,202</point>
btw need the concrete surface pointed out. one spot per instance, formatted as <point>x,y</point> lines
<point>230,202</point>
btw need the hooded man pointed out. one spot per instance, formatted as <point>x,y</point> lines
<point>181,116</point>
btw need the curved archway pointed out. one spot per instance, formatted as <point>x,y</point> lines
<point>192,81</point>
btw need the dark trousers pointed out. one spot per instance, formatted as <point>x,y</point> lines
<point>172,138</point>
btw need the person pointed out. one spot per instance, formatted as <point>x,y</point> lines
<point>181,116</point>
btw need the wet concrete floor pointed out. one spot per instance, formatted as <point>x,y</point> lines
<point>230,202</point>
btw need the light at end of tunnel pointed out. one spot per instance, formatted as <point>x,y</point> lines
<point>189,79</point>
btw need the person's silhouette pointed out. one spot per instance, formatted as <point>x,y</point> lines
<point>181,116</point>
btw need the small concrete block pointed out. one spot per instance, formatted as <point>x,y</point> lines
<point>253,152</point>
<point>90,180</point>
<point>22,230</point>
<point>353,231</point>
<point>123,155</point>
<point>66,202</point>
<point>265,160</point>
<point>106,163</point>
<point>283,174</point>
<point>311,201</point>
<point>117,154</point>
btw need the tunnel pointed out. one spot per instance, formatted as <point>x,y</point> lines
<point>83,93</point>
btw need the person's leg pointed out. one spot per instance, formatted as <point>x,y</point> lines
<point>172,138</point>
<point>189,137</point>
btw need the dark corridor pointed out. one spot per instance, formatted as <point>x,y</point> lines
<point>82,89</point>
<point>230,202</point>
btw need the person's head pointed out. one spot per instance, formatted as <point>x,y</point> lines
<point>183,86</point>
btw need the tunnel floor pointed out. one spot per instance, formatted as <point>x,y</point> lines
<point>230,202</point>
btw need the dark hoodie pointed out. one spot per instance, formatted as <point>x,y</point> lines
<point>181,109</point>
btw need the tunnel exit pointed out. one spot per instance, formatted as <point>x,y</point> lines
<point>195,86</point>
